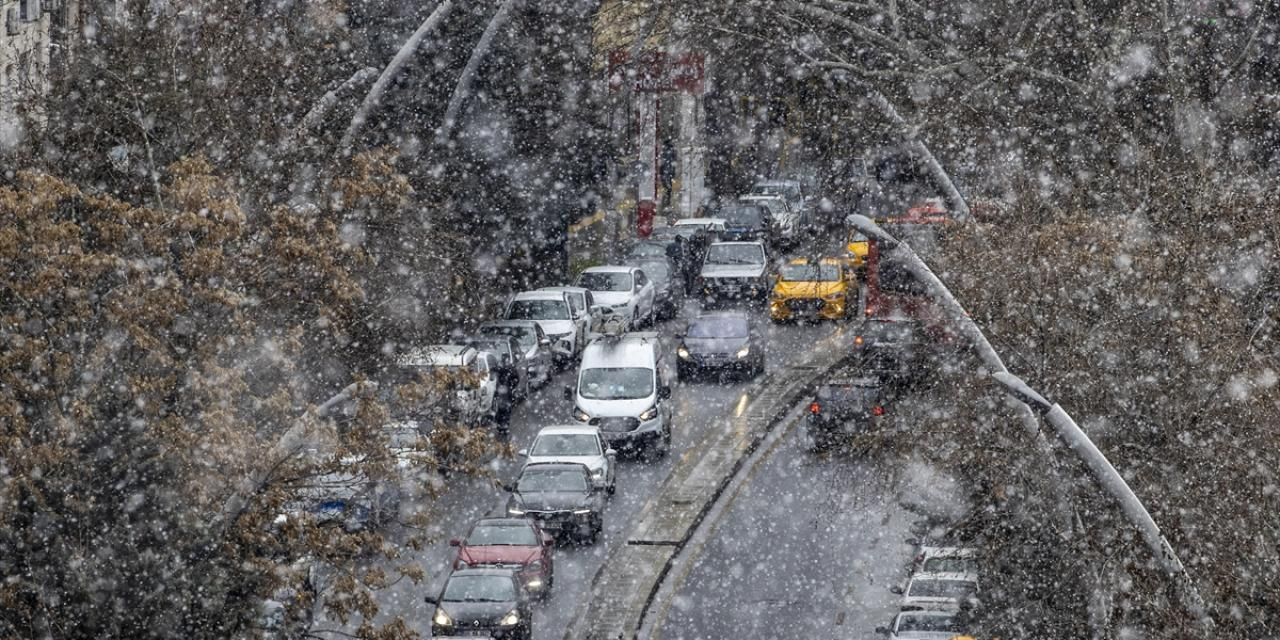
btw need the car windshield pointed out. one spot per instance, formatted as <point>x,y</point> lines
<point>495,588</point>
<point>657,271</point>
<point>718,327</point>
<point>503,535</point>
<point>648,250</point>
<point>742,216</point>
<point>735,254</point>
<point>811,272</point>
<point>538,310</point>
<point>533,480</point>
<point>664,234</point>
<point>616,383</point>
<point>950,564</point>
<point>566,444</point>
<point>605,281</point>
<point>524,335</point>
<point>931,588</point>
<point>921,622</point>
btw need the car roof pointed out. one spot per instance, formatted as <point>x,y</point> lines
<point>938,552</point>
<point>629,349</point>
<point>568,429</point>
<point>539,295</point>
<point>963,577</point>
<point>698,221</point>
<point>437,355</point>
<point>724,313</point>
<point>755,243</point>
<point>609,268</point>
<point>510,323</point>
<point>564,288</point>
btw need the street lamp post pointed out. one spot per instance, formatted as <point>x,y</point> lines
<point>1064,427</point>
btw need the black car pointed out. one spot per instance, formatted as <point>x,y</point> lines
<point>668,294</point>
<point>893,351</point>
<point>482,601</point>
<point>745,221</point>
<point>513,373</point>
<point>720,341</point>
<point>561,498</point>
<point>845,405</point>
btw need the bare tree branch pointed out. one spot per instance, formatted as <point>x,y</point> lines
<point>389,73</point>
<point>463,89</point>
<point>323,106</point>
<point>899,49</point>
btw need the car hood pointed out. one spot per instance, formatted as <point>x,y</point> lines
<point>732,270</point>
<point>926,635</point>
<point>807,289</point>
<point>556,327</point>
<point>499,554</point>
<point>615,408</point>
<point>612,298</point>
<point>591,462</point>
<point>714,345</point>
<point>466,614</point>
<point>940,603</point>
<point>551,500</point>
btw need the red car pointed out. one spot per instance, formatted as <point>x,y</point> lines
<point>509,543</point>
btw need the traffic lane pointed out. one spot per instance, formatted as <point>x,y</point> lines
<point>809,548</point>
<point>697,407</point>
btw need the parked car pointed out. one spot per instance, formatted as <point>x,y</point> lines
<point>746,221</point>
<point>932,559</point>
<point>787,224</point>
<point>561,498</point>
<point>734,271</point>
<point>856,247</point>
<point>843,406</point>
<point>482,601</point>
<point>513,372</point>
<point>923,625</point>
<point>586,312</point>
<point>893,351</point>
<point>818,289</point>
<point>579,444</point>
<point>476,394</point>
<point>647,250</point>
<point>942,591</point>
<point>536,346</point>
<point>554,313</point>
<point>517,544</point>
<point>688,227</point>
<point>622,390</point>
<point>627,290</point>
<point>720,341</point>
<point>791,190</point>
<point>345,497</point>
<point>668,294</point>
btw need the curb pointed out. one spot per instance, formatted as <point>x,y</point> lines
<point>625,585</point>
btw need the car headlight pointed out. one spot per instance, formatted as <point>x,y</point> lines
<point>511,619</point>
<point>580,415</point>
<point>742,353</point>
<point>682,352</point>
<point>536,565</point>
<point>442,618</point>
<point>461,564</point>
<point>581,512</point>
<point>649,414</point>
<point>515,510</point>
<point>597,473</point>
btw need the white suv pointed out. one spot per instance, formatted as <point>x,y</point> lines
<point>626,290</point>
<point>474,402</point>
<point>555,314</point>
<point>582,445</point>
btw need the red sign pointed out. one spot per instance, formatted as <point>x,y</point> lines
<point>658,71</point>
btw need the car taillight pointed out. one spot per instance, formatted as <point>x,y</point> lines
<point>815,408</point>
<point>877,410</point>
<point>857,341</point>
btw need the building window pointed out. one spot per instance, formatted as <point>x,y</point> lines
<point>29,10</point>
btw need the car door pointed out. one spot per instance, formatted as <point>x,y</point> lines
<point>644,292</point>
<point>578,311</point>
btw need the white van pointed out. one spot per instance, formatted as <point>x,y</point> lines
<point>623,391</point>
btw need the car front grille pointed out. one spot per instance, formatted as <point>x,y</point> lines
<point>805,305</point>
<point>616,425</point>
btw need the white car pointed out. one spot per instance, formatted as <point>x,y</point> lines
<point>582,445</point>
<point>473,402</point>
<point>946,560</point>
<point>790,190</point>
<point>536,345</point>
<point>787,221</point>
<point>923,625</point>
<point>623,391</point>
<point>942,591</point>
<point>714,225</point>
<point>554,313</point>
<point>624,289</point>
<point>585,310</point>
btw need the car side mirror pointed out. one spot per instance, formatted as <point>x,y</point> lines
<point>523,453</point>
<point>884,631</point>
<point>664,392</point>
<point>508,487</point>
<point>912,541</point>
<point>547,540</point>
<point>896,589</point>
<point>431,600</point>
<point>568,392</point>
<point>546,342</point>
<point>610,453</point>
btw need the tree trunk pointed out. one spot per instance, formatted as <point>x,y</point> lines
<point>389,73</point>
